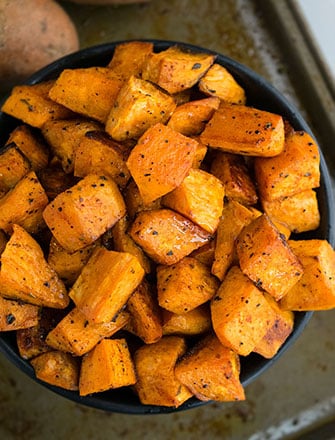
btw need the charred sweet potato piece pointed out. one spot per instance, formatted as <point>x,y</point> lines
<point>57,368</point>
<point>15,315</point>
<point>128,58</point>
<point>175,70</point>
<point>241,315</point>
<point>97,153</point>
<point>211,371</point>
<point>32,105</point>
<point>13,166</point>
<point>139,105</point>
<point>145,317</point>
<point>190,118</point>
<point>220,83</point>
<point>76,335</point>
<point>233,173</point>
<point>89,91</point>
<point>185,285</point>
<point>199,198</point>
<point>80,215</point>
<point>194,322</point>
<point>64,136</point>
<point>167,236</point>
<point>118,369</point>
<point>160,161</point>
<point>294,170</point>
<point>316,288</point>
<point>105,284</point>
<point>244,130</point>
<point>156,382</point>
<point>25,274</point>
<point>266,258</point>
<point>24,205</point>
<point>31,145</point>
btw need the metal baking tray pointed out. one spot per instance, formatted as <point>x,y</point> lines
<point>296,397</point>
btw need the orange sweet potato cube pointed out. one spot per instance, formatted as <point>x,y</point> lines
<point>57,368</point>
<point>25,274</point>
<point>134,201</point>
<point>199,198</point>
<point>15,315</point>
<point>80,215</point>
<point>160,161</point>
<point>32,105</point>
<point>118,369</point>
<point>76,335</point>
<point>156,382</point>
<point>299,212</point>
<point>244,130</point>
<point>139,105</point>
<point>190,117</point>
<point>294,170</point>
<point>13,166</point>
<point>167,236</point>
<point>105,284</point>
<point>129,57</point>
<point>316,289</point>
<point>89,91</point>
<point>176,70</point>
<point>241,315</point>
<point>195,322</point>
<point>211,372</point>
<point>190,279</point>
<point>219,82</point>
<point>233,173</point>
<point>266,258</point>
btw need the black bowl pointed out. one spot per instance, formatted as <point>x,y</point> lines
<point>260,94</point>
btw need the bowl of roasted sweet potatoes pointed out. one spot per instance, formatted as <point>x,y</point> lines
<point>165,227</point>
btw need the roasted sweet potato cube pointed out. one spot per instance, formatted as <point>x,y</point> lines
<point>57,368</point>
<point>122,242</point>
<point>55,180</point>
<point>185,285</point>
<point>316,289</point>
<point>234,217</point>
<point>128,58</point>
<point>32,105</point>
<point>244,130</point>
<point>76,335</point>
<point>266,258</point>
<point>160,161</point>
<point>167,236</point>
<point>195,322</point>
<point>231,169</point>
<point>190,118</point>
<point>68,265</point>
<point>300,211</point>
<point>205,253</point>
<point>13,166</point>
<point>199,198</point>
<point>134,201</point>
<point>139,105</point>
<point>175,70</point>
<point>31,145</point>
<point>105,284</point>
<point>241,315</point>
<point>97,153</point>
<point>64,136</point>
<point>89,91</point>
<point>156,382</point>
<point>80,215</point>
<point>24,205</point>
<point>211,372</point>
<point>276,336</point>
<point>294,170</point>
<point>118,369</point>
<point>200,153</point>
<point>145,318</point>
<point>15,315</point>
<point>25,274</point>
<point>219,82</point>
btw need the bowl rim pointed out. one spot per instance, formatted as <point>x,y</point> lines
<point>248,77</point>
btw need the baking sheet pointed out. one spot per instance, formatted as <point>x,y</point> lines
<point>298,393</point>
